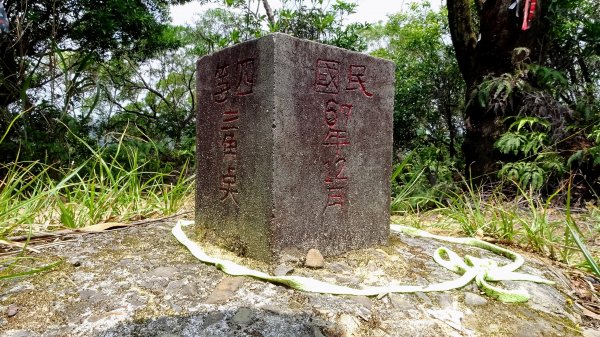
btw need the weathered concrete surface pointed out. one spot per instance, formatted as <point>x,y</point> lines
<point>141,282</point>
<point>294,147</point>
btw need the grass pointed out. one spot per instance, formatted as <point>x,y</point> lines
<point>97,191</point>
<point>527,221</point>
<point>104,189</point>
<point>101,189</point>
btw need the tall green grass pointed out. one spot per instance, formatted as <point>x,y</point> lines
<point>541,225</point>
<point>98,190</point>
<point>101,189</point>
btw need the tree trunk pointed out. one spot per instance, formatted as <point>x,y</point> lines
<point>482,52</point>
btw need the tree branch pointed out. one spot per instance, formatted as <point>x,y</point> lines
<point>269,11</point>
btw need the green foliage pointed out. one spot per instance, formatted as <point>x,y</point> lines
<point>428,97</point>
<point>423,179</point>
<point>594,151</point>
<point>520,141</point>
<point>314,20</point>
<point>527,138</point>
<point>575,234</point>
<point>50,66</point>
<point>545,136</point>
<point>496,93</point>
<point>525,220</point>
<point>322,23</point>
<point>590,152</point>
<point>427,119</point>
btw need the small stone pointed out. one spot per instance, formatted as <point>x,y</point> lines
<point>225,289</point>
<point>372,267</point>
<point>401,302</point>
<point>291,255</point>
<point>243,316</point>
<point>339,268</point>
<point>212,318</point>
<point>363,313</point>
<point>314,259</point>
<point>282,270</point>
<point>12,310</point>
<point>472,299</point>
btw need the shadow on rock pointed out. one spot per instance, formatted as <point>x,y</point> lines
<point>241,322</point>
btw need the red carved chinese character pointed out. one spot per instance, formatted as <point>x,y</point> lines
<point>337,138</point>
<point>327,77</point>
<point>337,185</point>
<point>245,77</point>
<point>230,119</point>
<point>336,118</point>
<point>222,84</point>
<point>334,199</point>
<point>356,79</point>
<point>339,180</point>
<point>229,145</point>
<point>332,109</point>
<point>228,185</point>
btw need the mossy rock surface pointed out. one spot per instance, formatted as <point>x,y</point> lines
<point>141,282</point>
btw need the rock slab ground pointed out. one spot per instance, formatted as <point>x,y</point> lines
<point>141,282</point>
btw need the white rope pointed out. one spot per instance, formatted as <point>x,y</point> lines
<point>470,268</point>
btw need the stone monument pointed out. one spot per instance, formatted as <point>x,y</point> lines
<point>294,147</point>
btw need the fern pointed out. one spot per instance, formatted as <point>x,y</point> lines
<point>531,122</point>
<point>510,142</point>
<point>528,137</point>
<point>495,92</point>
<point>548,77</point>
